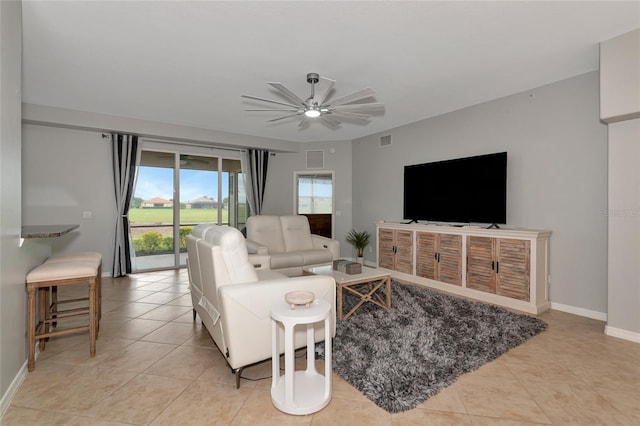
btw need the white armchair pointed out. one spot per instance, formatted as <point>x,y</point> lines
<point>289,243</point>
<point>236,298</point>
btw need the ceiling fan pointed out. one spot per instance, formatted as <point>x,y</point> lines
<point>330,112</point>
<point>186,159</point>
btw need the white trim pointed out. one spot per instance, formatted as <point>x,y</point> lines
<point>8,396</point>
<point>600,316</point>
<point>622,334</point>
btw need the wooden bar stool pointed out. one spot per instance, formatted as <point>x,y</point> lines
<point>42,278</point>
<point>82,256</point>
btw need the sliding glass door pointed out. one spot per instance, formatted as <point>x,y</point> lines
<point>176,191</point>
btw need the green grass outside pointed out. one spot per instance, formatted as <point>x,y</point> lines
<point>150,216</point>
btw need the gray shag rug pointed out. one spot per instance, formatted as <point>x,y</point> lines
<point>401,357</point>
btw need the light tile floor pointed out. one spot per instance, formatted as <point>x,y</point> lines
<point>155,366</point>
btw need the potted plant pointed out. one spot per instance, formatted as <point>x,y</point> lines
<point>359,240</point>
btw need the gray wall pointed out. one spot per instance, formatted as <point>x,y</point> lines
<point>67,172</point>
<point>279,192</point>
<point>557,175</point>
<point>15,261</point>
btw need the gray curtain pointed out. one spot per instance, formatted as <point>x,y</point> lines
<point>125,153</point>
<point>254,167</point>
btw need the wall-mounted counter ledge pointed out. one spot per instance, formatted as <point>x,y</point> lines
<point>46,231</point>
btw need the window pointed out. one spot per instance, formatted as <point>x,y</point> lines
<point>315,194</point>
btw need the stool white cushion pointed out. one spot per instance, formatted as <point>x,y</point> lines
<point>61,271</point>
<point>82,256</point>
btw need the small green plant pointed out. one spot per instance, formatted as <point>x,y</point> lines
<point>359,240</point>
<point>152,241</point>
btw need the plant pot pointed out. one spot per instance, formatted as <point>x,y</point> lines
<point>360,260</point>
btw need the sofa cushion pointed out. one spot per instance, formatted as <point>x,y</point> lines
<point>234,252</point>
<point>286,260</point>
<point>267,231</point>
<point>296,233</point>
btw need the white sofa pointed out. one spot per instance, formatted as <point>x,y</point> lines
<point>235,300</point>
<point>289,243</point>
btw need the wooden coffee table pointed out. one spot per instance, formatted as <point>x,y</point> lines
<point>365,286</point>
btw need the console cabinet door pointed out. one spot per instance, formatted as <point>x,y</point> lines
<point>426,255</point>
<point>500,266</point>
<point>395,250</point>
<point>481,264</point>
<point>512,268</point>
<point>404,251</point>
<point>450,259</point>
<point>386,252</point>
<point>439,257</point>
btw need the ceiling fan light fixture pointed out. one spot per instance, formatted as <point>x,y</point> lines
<point>312,112</point>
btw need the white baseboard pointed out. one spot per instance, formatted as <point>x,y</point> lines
<point>622,334</point>
<point>600,316</point>
<point>5,402</point>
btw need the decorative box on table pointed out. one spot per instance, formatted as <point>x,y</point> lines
<point>347,267</point>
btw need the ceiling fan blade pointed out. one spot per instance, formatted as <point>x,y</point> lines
<point>268,100</point>
<point>322,89</point>
<point>330,121</point>
<point>282,118</point>
<point>275,109</point>
<point>352,97</point>
<point>287,93</point>
<point>364,108</point>
<point>352,117</point>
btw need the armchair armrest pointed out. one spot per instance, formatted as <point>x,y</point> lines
<point>245,312</point>
<point>255,248</point>
<point>260,261</point>
<point>319,241</point>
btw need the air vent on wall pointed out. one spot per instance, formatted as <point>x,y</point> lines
<point>315,159</point>
<point>385,141</point>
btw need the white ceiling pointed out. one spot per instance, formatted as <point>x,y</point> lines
<point>188,62</point>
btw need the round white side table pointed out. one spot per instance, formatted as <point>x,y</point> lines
<point>307,391</point>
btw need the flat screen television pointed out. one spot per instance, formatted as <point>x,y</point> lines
<point>462,190</point>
